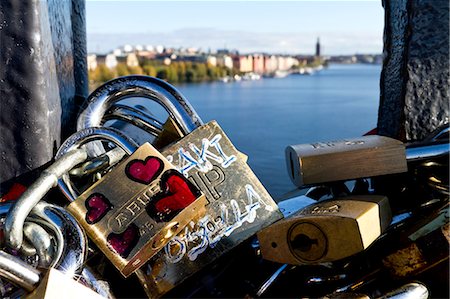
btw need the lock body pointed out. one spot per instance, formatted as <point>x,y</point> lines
<point>134,210</point>
<point>326,231</point>
<point>361,157</point>
<point>54,282</point>
<point>237,207</point>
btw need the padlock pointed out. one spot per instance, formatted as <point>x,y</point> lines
<point>68,254</point>
<point>361,157</point>
<point>99,107</point>
<point>133,211</point>
<point>70,239</point>
<point>238,205</point>
<point>55,285</point>
<point>326,231</point>
<point>50,286</point>
<point>424,243</point>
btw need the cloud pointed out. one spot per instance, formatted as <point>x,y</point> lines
<point>333,43</point>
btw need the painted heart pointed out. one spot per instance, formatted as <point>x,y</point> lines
<point>125,242</point>
<point>178,194</point>
<point>97,206</point>
<point>144,171</point>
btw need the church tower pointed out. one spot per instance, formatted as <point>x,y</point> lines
<point>318,48</point>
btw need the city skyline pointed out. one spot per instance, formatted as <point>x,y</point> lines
<point>276,27</point>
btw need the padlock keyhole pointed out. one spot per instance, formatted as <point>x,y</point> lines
<point>303,243</point>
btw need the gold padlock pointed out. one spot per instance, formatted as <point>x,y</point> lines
<point>135,210</point>
<point>326,231</point>
<point>362,157</point>
<point>238,206</point>
<point>55,285</point>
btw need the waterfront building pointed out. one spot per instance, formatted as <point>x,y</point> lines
<point>225,60</point>
<point>109,60</point>
<point>244,63</point>
<point>212,60</point>
<point>285,63</point>
<point>258,63</point>
<point>92,62</point>
<point>270,64</point>
<point>128,48</point>
<point>150,48</point>
<point>129,59</point>
<point>146,55</point>
<point>159,49</point>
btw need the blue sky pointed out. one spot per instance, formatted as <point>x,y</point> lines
<point>288,27</point>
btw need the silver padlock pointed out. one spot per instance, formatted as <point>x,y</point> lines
<point>48,285</point>
<point>69,246</point>
<point>102,105</point>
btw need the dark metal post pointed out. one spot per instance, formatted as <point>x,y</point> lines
<point>43,80</point>
<point>415,78</point>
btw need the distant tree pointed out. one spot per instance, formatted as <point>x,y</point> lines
<point>172,74</point>
<point>181,70</point>
<point>200,69</point>
<point>122,69</point>
<point>161,73</point>
<point>149,70</point>
<point>191,75</point>
<point>103,74</point>
<point>135,70</point>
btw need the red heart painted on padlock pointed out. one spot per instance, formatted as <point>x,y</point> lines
<point>125,242</point>
<point>179,193</point>
<point>144,171</point>
<point>97,206</point>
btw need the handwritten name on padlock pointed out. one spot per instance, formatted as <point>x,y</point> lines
<point>134,210</point>
<point>238,206</point>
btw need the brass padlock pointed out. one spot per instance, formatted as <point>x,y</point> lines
<point>362,157</point>
<point>326,231</point>
<point>135,210</point>
<point>56,285</point>
<point>238,206</point>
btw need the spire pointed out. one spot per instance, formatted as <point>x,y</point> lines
<point>318,47</point>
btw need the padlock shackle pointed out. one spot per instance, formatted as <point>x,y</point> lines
<point>135,117</point>
<point>40,241</point>
<point>48,179</point>
<point>102,99</point>
<point>17,271</point>
<point>80,138</point>
<point>71,240</point>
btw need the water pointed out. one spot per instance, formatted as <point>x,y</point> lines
<point>263,117</point>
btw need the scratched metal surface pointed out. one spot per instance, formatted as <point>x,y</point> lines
<point>415,78</point>
<point>238,206</point>
<point>38,80</point>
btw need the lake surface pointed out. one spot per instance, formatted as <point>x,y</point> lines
<point>263,117</point>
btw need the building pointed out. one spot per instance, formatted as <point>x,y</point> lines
<point>92,62</point>
<point>211,60</point>
<point>258,63</point>
<point>243,63</point>
<point>318,48</point>
<point>130,59</point>
<point>270,64</point>
<point>225,60</point>
<point>109,60</point>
